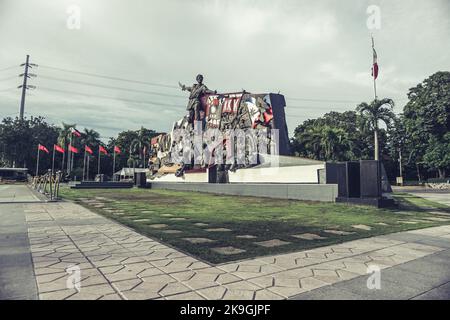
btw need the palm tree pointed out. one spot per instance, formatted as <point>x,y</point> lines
<point>140,144</point>
<point>90,138</point>
<point>64,139</point>
<point>327,142</point>
<point>373,113</point>
<point>64,134</point>
<point>335,142</point>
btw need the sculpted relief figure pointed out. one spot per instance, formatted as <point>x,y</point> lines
<point>196,92</point>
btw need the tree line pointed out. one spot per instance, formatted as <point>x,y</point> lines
<point>19,140</point>
<point>417,139</point>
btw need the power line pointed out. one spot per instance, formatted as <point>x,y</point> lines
<point>112,78</point>
<point>3,90</point>
<point>110,98</point>
<point>8,68</point>
<point>154,102</point>
<point>289,107</point>
<point>8,78</point>
<point>113,87</point>
<point>174,87</point>
<point>330,100</point>
<point>323,100</point>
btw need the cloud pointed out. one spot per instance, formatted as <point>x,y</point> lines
<point>304,49</point>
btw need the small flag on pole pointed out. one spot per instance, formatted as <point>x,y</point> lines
<point>76,132</point>
<point>88,150</point>
<point>42,148</point>
<point>58,148</point>
<point>102,150</point>
<point>73,149</point>
<point>117,149</point>
<point>375,68</point>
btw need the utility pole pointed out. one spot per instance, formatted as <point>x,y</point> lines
<point>26,75</point>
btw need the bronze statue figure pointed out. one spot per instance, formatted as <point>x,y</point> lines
<point>196,92</point>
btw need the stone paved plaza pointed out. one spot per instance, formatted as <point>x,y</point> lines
<point>117,263</point>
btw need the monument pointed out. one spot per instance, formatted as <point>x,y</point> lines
<point>237,143</point>
<point>222,132</point>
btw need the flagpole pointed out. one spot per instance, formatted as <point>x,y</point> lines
<point>69,153</point>
<point>62,163</point>
<point>114,162</point>
<point>87,171</point>
<point>374,78</point>
<point>53,160</point>
<point>98,160</point>
<point>84,163</point>
<point>37,162</point>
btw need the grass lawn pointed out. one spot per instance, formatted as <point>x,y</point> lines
<point>173,216</point>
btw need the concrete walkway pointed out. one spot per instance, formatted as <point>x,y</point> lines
<point>17,193</point>
<point>439,197</point>
<point>17,280</point>
<point>77,254</point>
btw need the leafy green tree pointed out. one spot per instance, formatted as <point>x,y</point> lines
<point>345,134</point>
<point>90,138</point>
<point>372,114</point>
<point>19,140</point>
<point>437,155</point>
<point>324,142</point>
<point>132,144</point>
<point>427,121</point>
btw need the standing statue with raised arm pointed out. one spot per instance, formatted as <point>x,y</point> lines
<point>196,92</point>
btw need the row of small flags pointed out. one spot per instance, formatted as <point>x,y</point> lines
<point>75,150</point>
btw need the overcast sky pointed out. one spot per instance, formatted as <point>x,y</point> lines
<point>307,50</point>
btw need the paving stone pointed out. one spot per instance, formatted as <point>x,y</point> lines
<point>92,292</point>
<point>214,293</point>
<point>246,236</point>
<point>166,215</point>
<point>338,232</point>
<point>125,285</point>
<point>186,296</point>
<point>198,240</point>
<point>381,224</point>
<point>404,213</point>
<point>227,250</point>
<point>142,220</point>
<point>57,295</point>
<point>267,295</point>
<point>177,219</point>
<point>201,224</point>
<point>437,219</point>
<point>439,213</point>
<point>408,222</point>
<point>218,230</point>
<point>308,236</point>
<point>362,227</point>
<point>158,226</point>
<point>172,231</point>
<point>174,288</point>
<point>272,243</point>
